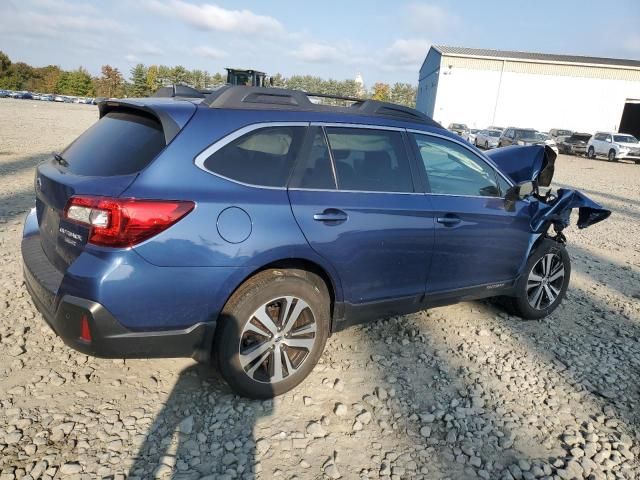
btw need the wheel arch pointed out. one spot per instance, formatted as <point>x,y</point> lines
<point>332,283</point>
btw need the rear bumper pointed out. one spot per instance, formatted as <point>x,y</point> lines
<point>109,338</point>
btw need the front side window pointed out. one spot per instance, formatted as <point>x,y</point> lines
<point>451,169</point>
<point>263,157</point>
<point>370,160</point>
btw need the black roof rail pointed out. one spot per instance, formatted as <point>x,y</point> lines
<point>178,90</point>
<point>261,98</point>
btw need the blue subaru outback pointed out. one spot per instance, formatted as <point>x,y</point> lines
<point>246,226</point>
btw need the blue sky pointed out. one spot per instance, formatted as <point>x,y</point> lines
<point>385,41</point>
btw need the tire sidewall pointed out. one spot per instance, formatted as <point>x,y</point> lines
<point>612,158</point>
<point>237,313</point>
<point>591,152</point>
<point>524,309</point>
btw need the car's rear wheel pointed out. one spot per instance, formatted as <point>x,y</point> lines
<point>612,155</point>
<point>486,145</point>
<point>272,332</point>
<point>591,153</point>
<point>544,282</point>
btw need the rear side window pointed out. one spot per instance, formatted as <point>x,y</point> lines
<point>453,170</point>
<point>263,157</point>
<point>370,160</point>
<point>120,143</point>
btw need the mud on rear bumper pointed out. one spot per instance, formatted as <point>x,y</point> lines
<point>109,338</point>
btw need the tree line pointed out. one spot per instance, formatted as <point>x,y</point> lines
<point>145,80</point>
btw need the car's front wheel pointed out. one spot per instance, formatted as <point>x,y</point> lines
<point>591,153</point>
<point>272,332</point>
<point>544,282</point>
<point>612,155</point>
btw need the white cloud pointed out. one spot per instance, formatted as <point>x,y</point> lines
<point>208,16</point>
<point>405,54</point>
<point>209,52</point>
<point>427,18</point>
<point>131,58</point>
<point>632,43</point>
<point>319,53</point>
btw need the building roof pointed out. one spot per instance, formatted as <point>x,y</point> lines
<point>535,57</point>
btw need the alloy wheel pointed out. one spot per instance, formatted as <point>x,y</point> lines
<point>277,339</point>
<point>545,281</point>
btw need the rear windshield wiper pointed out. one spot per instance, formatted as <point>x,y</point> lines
<point>60,159</point>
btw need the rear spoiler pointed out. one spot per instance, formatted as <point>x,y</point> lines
<point>172,115</point>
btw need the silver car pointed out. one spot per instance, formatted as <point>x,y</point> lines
<point>487,138</point>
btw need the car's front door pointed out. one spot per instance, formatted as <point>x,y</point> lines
<point>354,198</point>
<point>478,243</point>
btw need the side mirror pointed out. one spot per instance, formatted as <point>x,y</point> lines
<point>608,140</point>
<point>519,191</point>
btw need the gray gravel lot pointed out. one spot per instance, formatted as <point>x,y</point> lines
<point>459,392</point>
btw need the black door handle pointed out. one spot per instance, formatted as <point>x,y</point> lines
<point>331,215</point>
<point>448,221</point>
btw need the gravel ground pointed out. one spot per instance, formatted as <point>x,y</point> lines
<point>459,392</point>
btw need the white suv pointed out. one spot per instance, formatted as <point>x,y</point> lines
<point>614,146</point>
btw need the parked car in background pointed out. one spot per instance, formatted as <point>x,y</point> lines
<point>557,133</point>
<point>494,127</point>
<point>549,141</point>
<point>520,136</point>
<point>243,230</point>
<point>487,138</point>
<point>4,94</point>
<point>458,128</point>
<point>471,135</point>
<point>614,146</point>
<point>575,144</point>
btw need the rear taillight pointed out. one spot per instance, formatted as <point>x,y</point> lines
<point>123,222</point>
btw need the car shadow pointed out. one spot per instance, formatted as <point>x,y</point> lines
<point>203,430</point>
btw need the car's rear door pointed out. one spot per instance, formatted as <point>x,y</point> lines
<point>478,243</point>
<point>354,198</point>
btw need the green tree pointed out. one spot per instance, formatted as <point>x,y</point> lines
<point>79,83</point>
<point>139,86</point>
<point>278,81</point>
<point>403,94</point>
<point>164,75</point>
<point>179,74</point>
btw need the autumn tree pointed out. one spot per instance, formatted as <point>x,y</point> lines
<point>110,83</point>
<point>381,92</point>
<point>153,83</point>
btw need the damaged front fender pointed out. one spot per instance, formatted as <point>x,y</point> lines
<point>536,163</point>
<point>557,211</point>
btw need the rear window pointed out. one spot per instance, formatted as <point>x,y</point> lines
<point>120,143</point>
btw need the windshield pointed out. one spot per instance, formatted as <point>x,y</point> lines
<point>527,135</point>
<point>563,133</point>
<point>542,136</point>
<point>625,139</point>
<point>494,133</point>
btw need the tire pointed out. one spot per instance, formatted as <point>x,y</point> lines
<point>486,145</point>
<point>475,142</point>
<point>591,153</point>
<point>637,162</point>
<point>245,348</point>
<point>612,155</point>
<point>526,303</point>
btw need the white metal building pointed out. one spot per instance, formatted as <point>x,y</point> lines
<point>542,91</point>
